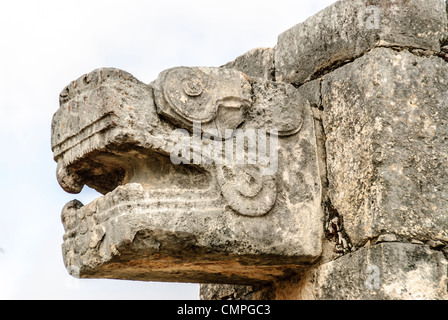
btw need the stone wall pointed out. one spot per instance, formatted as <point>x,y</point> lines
<point>376,75</point>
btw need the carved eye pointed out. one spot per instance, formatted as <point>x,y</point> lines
<point>216,98</point>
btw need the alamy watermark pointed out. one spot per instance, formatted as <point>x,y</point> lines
<point>241,147</point>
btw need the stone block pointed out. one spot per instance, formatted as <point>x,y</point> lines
<point>387,271</point>
<point>385,119</point>
<point>258,63</point>
<point>349,28</point>
<point>232,292</point>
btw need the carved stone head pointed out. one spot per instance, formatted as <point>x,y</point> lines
<point>207,176</point>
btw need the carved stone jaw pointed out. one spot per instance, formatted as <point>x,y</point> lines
<point>202,222</point>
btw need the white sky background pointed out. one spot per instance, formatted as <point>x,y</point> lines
<point>46,44</point>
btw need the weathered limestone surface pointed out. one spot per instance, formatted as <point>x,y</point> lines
<point>188,222</point>
<point>234,292</point>
<point>349,28</point>
<point>387,271</point>
<point>381,271</point>
<point>257,63</point>
<point>385,118</point>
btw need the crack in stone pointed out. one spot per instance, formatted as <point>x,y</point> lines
<point>333,225</point>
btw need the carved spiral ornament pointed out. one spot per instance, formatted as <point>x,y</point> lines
<point>246,190</point>
<point>184,89</point>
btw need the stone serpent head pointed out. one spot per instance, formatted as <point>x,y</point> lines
<point>122,137</point>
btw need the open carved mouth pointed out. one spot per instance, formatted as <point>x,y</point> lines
<point>195,222</point>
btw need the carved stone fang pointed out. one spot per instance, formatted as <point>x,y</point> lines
<point>69,180</point>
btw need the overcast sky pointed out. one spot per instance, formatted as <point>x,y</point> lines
<point>45,45</point>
